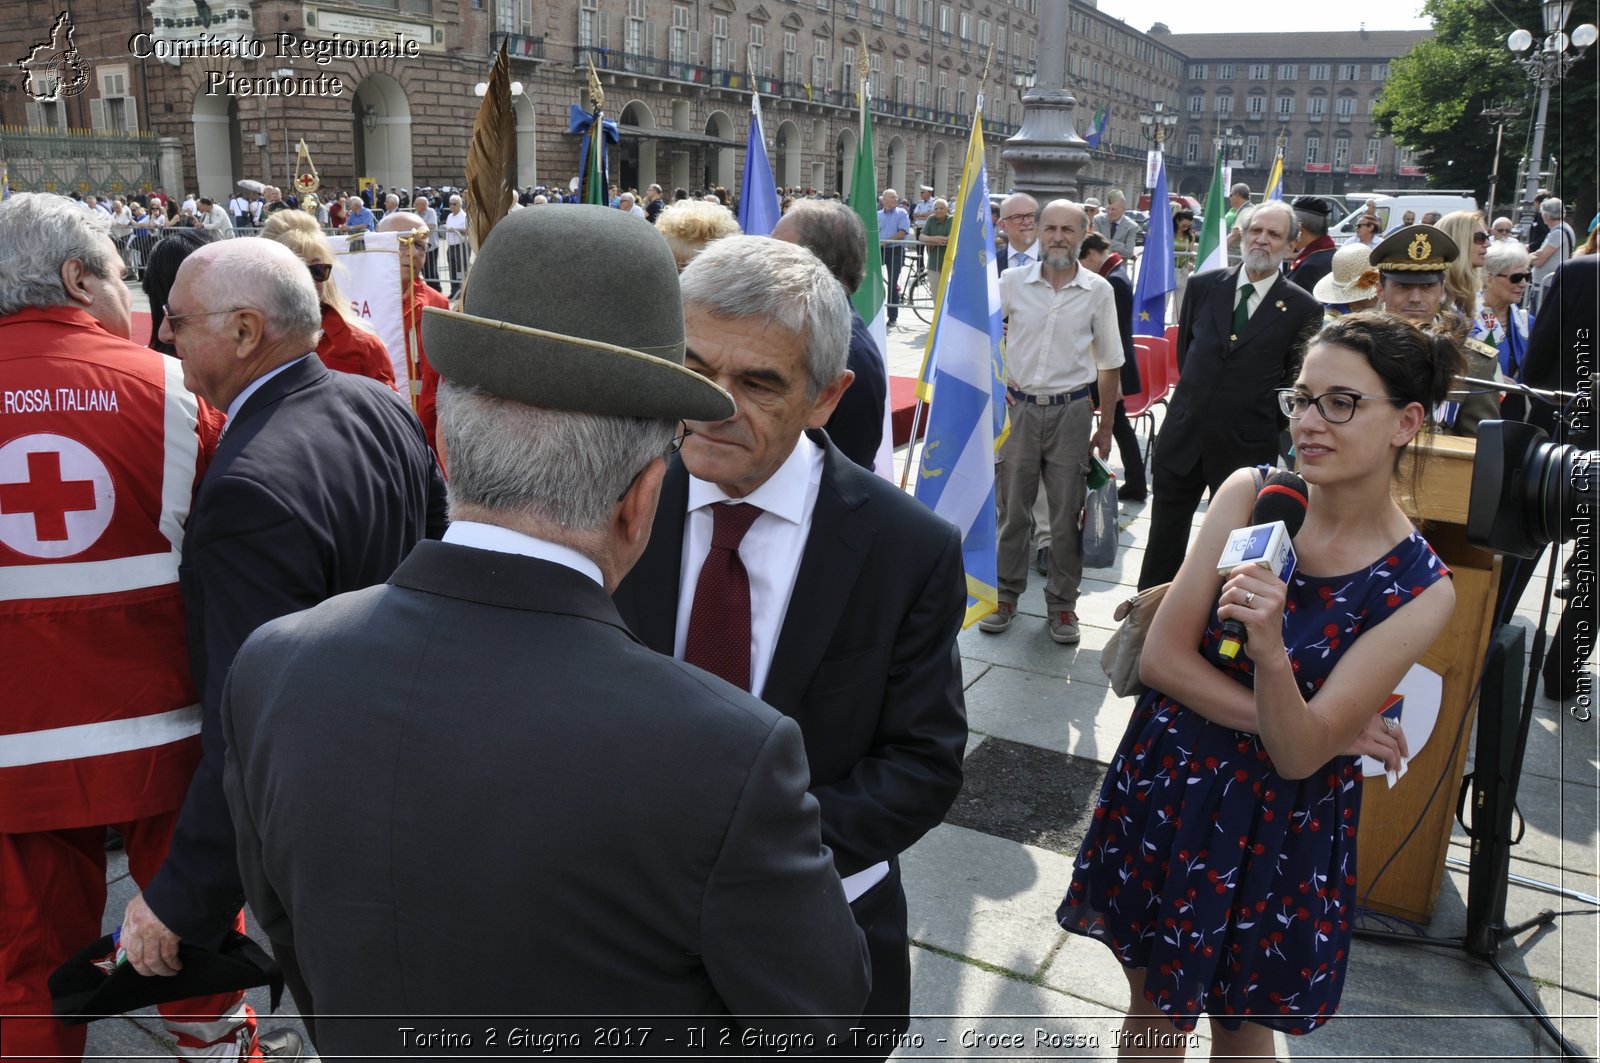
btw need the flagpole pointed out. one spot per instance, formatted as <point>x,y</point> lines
<point>938,305</point>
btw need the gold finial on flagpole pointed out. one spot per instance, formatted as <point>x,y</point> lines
<point>597,95</point>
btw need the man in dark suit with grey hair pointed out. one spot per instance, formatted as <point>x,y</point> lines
<point>849,593</point>
<point>473,791</point>
<point>1240,334</point>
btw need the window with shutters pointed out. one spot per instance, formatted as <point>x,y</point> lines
<point>966,26</point>
<point>721,47</point>
<point>849,77</point>
<point>1191,148</point>
<point>921,99</point>
<point>1349,71</point>
<point>819,67</point>
<point>633,33</point>
<point>945,18</point>
<point>875,75</point>
<point>942,102</point>
<point>1319,72</point>
<point>1313,150</point>
<point>1288,71</point>
<point>756,57</point>
<point>1224,105</point>
<point>1285,106</point>
<point>1345,107</point>
<point>1197,71</point>
<point>1197,103</point>
<point>1257,106</point>
<point>983,33</point>
<point>1341,154</point>
<point>589,23</point>
<point>514,16</point>
<point>1252,150</point>
<point>1317,106</point>
<point>678,38</point>
<point>961,96</point>
<point>791,58</point>
<point>899,80</point>
<point>1380,71</point>
<point>1258,71</point>
<point>1225,71</point>
<point>1374,150</point>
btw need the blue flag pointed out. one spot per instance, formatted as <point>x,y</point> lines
<point>967,413</point>
<point>1155,272</point>
<point>758,198</point>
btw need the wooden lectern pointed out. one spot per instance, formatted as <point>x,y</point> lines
<point>1410,886</point>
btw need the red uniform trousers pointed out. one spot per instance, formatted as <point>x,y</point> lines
<point>52,904</point>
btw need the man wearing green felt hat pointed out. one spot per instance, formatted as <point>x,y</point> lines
<point>510,806</point>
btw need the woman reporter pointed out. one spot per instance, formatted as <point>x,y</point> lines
<point>347,344</point>
<point>1220,863</point>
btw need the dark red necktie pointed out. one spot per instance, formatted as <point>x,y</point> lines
<point>719,621</point>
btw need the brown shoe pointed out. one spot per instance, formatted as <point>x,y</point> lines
<point>998,620</point>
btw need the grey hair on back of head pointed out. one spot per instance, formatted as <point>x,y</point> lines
<point>41,231</point>
<point>560,470</point>
<point>757,276</point>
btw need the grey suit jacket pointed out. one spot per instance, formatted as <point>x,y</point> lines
<point>473,792</point>
<point>1125,241</point>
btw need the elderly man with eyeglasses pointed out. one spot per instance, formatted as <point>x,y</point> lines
<point>1019,221</point>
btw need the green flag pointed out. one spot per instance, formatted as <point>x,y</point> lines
<point>594,179</point>
<point>1213,250</point>
<point>869,298</point>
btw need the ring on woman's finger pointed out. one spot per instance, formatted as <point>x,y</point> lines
<point>1390,724</point>
<point>1249,596</point>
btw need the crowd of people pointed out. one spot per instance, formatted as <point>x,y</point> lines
<point>302,611</point>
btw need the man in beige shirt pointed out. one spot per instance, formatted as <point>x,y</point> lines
<point>1061,337</point>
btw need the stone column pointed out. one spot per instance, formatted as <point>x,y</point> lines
<point>1046,153</point>
<point>169,165</point>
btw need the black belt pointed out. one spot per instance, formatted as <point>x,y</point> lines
<point>1060,399</point>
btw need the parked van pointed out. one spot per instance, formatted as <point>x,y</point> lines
<point>1391,209</point>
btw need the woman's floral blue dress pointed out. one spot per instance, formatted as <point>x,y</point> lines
<point>1231,885</point>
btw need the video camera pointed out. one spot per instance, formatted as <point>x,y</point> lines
<point>1527,492</point>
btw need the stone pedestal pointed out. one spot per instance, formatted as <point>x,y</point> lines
<point>1046,154</point>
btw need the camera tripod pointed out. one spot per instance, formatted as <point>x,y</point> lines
<point>1503,728</point>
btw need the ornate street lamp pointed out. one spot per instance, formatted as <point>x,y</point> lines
<point>1156,123</point>
<point>1546,67</point>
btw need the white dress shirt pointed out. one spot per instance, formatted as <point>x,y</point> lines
<point>1017,259</point>
<point>1058,340</point>
<point>770,550</point>
<point>1262,287</point>
<point>481,536</point>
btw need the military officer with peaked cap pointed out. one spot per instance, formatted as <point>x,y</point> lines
<point>473,791</point>
<point>1411,264</point>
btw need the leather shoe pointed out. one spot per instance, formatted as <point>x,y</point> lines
<point>1041,561</point>
<point>284,1044</point>
<point>998,620</point>
<point>1133,492</point>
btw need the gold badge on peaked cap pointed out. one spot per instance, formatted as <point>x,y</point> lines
<point>1420,250</point>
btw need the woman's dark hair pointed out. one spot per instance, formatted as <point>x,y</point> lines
<point>1182,215</point>
<point>1415,365</point>
<point>161,269</point>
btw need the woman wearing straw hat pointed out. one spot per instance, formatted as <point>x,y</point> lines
<point>1351,283</point>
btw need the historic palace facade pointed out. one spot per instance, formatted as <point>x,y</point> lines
<point>219,90</point>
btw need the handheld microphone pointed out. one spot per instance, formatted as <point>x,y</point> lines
<point>1279,511</point>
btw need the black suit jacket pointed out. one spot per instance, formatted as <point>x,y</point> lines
<point>322,483</point>
<point>1565,327</point>
<point>1223,411</point>
<point>473,792</point>
<point>866,659</point>
<point>856,426</point>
